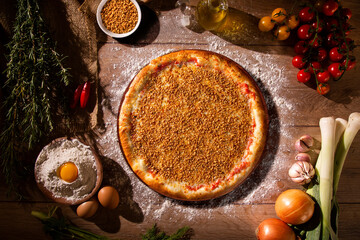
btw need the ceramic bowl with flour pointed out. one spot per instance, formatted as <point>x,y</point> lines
<point>68,171</point>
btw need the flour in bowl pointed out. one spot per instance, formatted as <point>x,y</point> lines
<point>58,153</point>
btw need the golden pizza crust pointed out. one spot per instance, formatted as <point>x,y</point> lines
<point>255,143</point>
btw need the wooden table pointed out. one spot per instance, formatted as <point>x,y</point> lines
<point>294,108</point>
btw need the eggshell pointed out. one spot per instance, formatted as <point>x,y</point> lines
<point>108,197</point>
<point>87,209</point>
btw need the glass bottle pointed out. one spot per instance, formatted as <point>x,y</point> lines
<point>210,14</point>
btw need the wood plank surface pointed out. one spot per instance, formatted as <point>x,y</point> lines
<point>294,110</point>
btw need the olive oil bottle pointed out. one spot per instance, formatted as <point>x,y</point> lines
<point>210,14</point>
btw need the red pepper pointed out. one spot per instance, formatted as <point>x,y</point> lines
<point>76,98</point>
<point>85,93</point>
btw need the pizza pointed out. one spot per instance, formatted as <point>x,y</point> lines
<point>192,125</point>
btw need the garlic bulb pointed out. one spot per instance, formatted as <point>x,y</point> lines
<point>303,157</point>
<point>301,172</point>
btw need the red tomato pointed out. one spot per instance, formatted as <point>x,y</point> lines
<point>306,14</point>
<point>323,77</point>
<point>322,54</point>
<point>297,61</point>
<point>314,25</point>
<point>334,70</point>
<point>331,24</point>
<point>346,12</point>
<point>304,31</point>
<point>315,43</point>
<point>301,47</point>
<point>323,88</point>
<point>333,40</point>
<point>303,76</point>
<point>351,64</point>
<point>315,66</point>
<point>335,55</point>
<point>330,7</point>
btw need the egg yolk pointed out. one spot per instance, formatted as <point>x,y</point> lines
<point>68,172</point>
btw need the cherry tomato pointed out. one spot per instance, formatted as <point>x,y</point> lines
<point>306,14</point>
<point>300,47</point>
<point>266,24</point>
<point>335,55</point>
<point>346,12</point>
<point>303,76</point>
<point>351,64</point>
<point>323,77</point>
<point>304,31</point>
<point>346,27</point>
<point>330,7</point>
<point>334,70</point>
<point>297,61</point>
<point>292,22</point>
<point>322,54</point>
<point>278,15</point>
<point>331,24</point>
<point>315,42</point>
<point>317,28</point>
<point>282,33</point>
<point>323,88</point>
<point>315,67</point>
<point>332,40</point>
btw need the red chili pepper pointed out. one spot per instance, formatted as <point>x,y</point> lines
<point>85,93</point>
<point>76,97</point>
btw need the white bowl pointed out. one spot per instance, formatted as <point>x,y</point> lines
<point>112,34</point>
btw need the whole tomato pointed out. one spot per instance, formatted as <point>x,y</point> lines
<point>323,88</point>
<point>315,67</point>
<point>266,24</point>
<point>297,61</point>
<point>346,12</point>
<point>351,64</point>
<point>330,7</point>
<point>304,32</point>
<point>318,27</point>
<point>335,70</point>
<point>315,42</point>
<point>335,55</point>
<point>282,33</point>
<point>303,76</point>
<point>321,54</point>
<point>323,77</point>
<point>306,14</point>
<point>292,22</point>
<point>301,47</point>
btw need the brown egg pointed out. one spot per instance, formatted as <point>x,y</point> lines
<point>108,197</point>
<point>87,209</point>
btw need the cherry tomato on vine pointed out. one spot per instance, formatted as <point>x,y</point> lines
<point>306,14</point>
<point>282,33</point>
<point>321,54</point>
<point>330,7</point>
<point>266,24</point>
<point>346,12</point>
<point>316,27</point>
<point>292,22</point>
<point>323,77</point>
<point>278,15</point>
<point>335,55</point>
<point>351,64</point>
<point>331,24</point>
<point>315,42</point>
<point>297,61</point>
<point>323,88</point>
<point>303,76</point>
<point>315,67</point>
<point>304,32</point>
<point>332,40</point>
<point>334,70</point>
<point>301,47</point>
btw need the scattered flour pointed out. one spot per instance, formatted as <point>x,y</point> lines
<point>56,154</point>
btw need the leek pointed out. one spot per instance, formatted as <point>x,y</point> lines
<point>326,172</point>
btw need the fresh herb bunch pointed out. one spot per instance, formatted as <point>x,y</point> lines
<point>155,234</point>
<point>33,91</point>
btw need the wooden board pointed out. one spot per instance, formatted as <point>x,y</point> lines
<point>295,109</point>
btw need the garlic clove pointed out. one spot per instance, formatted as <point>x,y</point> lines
<point>303,157</point>
<point>301,172</point>
<point>304,143</point>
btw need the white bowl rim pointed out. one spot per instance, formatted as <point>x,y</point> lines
<point>112,34</point>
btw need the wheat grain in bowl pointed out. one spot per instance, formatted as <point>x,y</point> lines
<point>118,18</point>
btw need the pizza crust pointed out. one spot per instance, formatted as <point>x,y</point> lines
<point>256,142</point>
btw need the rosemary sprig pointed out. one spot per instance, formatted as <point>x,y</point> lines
<point>35,81</point>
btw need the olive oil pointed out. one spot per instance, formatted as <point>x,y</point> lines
<point>210,14</point>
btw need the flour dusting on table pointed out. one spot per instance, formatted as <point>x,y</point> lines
<point>261,186</point>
